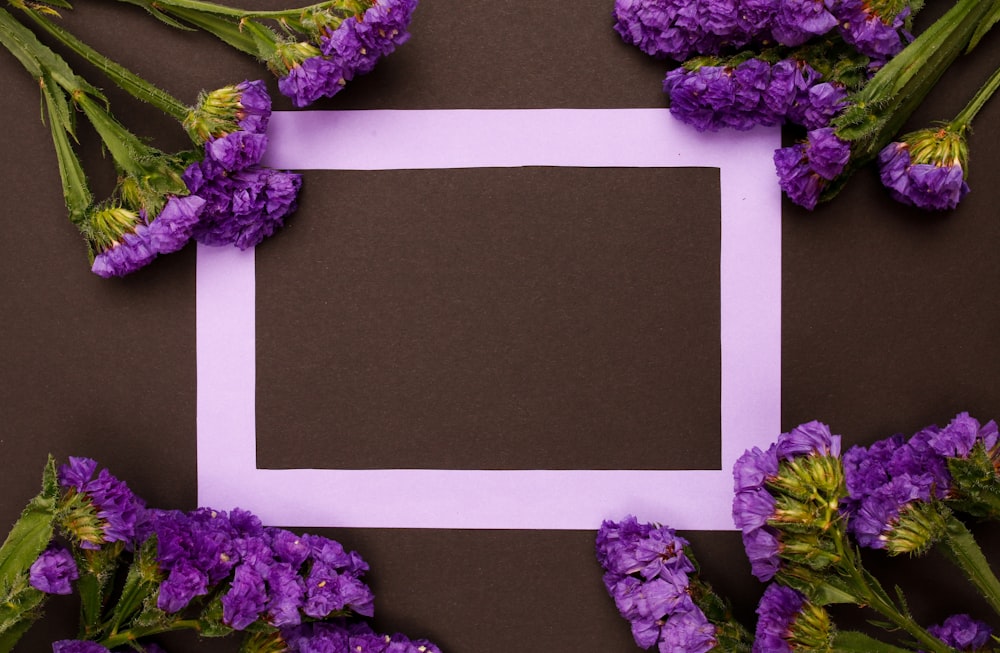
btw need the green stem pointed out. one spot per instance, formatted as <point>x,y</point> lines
<point>224,28</point>
<point>134,634</point>
<point>123,77</point>
<point>960,546</point>
<point>985,92</point>
<point>348,7</point>
<point>880,108</point>
<point>870,593</point>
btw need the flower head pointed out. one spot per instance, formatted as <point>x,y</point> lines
<point>102,508</point>
<point>242,107</point>
<point>242,207</point>
<point>962,632</point>
<point>53,571</point>
<point>875,31</point>
<point>358,43</point>
<point>805,169</point>
<point>787,621</point>
<point>926,168</point>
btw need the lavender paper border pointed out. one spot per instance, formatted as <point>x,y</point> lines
<point>750,335</point>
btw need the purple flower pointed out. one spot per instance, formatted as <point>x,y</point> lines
<point>688,632</point>
<point>53,571</point>
<point>776,614</point>
<point>358,43</point>
<point>337,636</point>
<point>254,106</point>
<point>245,600</point>
<point>810,439</point>
<point>817,107</point>
<point>289,547</point>
<point>310,80</point>
<point>649,25</point>
<point>926,169</point>
<point>713,97</point>
<point>677,28</point>
<point>243,207</point>
<point>805,169</point>
<point>117,508</point>
<point>632,548</point>
<point>237,150</point>
<point>962,632</point>
<point>172,228</point>
<point>182,584</point>
<point>879,37</point>
<point>754,468</point>
<point>762,547</point>
<point>286,594</point>
<point>126,255</point>
<point>77,646</point>
<point>963,433</point>
<point>797,21</point>
<point>790,79</point>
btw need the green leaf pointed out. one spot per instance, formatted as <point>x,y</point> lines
<point>851,641</point>
<point>987,23</point>
<point>27,539</point>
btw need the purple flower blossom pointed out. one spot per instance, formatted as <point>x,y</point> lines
<point>632,548</point>
<point>688,632</point>
<point>931,182</point>
<point>126,255</point>
<point>254,106</point>
<point>286,593</point>
<point>762,547</point>
<point>810,439</point>
<point>797,21</point>
<point>817,107</point>
<point>53,571</point>
<point>310,80</point>
<point>237,150</point>
<point>962,632</point>
<point>962,434</point>
<point>713,97</point>
<point>676,28</point>
<point>182,584</point>
<point>754,468</point>
<point>172,228</point>
<point>358,43</point>
<point>776,614</point>
<point>243,207</point>
<point>805,169</point>
<point>337,636</point>
<point>245,600</point>
<point>879,37</point>
<point>77,646</point>
<point>116,507</point>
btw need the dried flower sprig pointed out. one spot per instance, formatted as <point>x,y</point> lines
<point>849,72</point>
<point>803,510</point>
<point>209,571</point>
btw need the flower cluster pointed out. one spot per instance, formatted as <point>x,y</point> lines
<point>212,571</point>
<point>322,66</point>
<point>785,502</point>
<point>218,193</point>
<point>229,198</point>
<point>276,575</point>
<point>646,573</point>
<point>821,66</point>
<point>803,510</point>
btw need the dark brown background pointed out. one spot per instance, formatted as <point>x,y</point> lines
<point>888,316</point>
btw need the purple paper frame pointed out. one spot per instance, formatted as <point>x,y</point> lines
<point>750,337</point>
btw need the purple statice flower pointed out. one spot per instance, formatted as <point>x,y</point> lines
<point>962,632</point>
<point>647,575</point>
<point>676,28</point>
<point>688,632</point>
<point>242,207</point>
<point>788,83</point>
<point>806,168</point>
<point>816,107</point>
<point>776,614</point>
<point>245,600</point>
<point>183,583</point>
<point>809,439</point>
<point>872,34</point>
<point>77,646</point>
<point>753,505</point>
<point>290,548</point>
<point>797,21</point>
<point>710,98</point>
<point>53,571</point>
<point>338,635</point>
<point>886,480</point>
<point>358,43</point>
<point>313,78</point>
<point>962,434</point>
<point>173,226</point>
<point>117,509</point>
<point>649,25</point>
<point>253,106</point>
<point>129,253</point>
<point>237,150</point>
<point>286,595</point>
<point>926,169</point>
